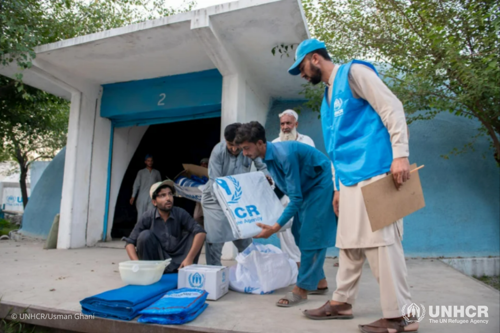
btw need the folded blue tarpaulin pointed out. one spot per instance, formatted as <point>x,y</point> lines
<point>125,303</point>
<point>176,307</point>
<point>172,319</point>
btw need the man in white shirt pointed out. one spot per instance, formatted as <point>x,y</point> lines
<point>289,121</point>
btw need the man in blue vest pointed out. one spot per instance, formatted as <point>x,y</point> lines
<point>365,133</point>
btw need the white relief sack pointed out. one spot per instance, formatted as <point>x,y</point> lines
<point>247,199</point>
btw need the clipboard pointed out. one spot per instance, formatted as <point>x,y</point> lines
<point>385,204</point>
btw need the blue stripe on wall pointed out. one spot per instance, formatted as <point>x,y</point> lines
<point>172,96</point>
<point>462,194</point>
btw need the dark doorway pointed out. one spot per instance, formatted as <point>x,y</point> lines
<point>171,145</point>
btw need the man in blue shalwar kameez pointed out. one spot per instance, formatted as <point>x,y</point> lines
<point>304,174</point>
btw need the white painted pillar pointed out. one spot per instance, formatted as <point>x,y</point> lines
<point>77,171</point>
<point>242,99</point>
<point>233,100</point>
<point>98,179</point>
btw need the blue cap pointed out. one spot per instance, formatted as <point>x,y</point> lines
<point>304,48</point>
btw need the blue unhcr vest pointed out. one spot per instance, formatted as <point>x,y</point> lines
<point>356,140</point>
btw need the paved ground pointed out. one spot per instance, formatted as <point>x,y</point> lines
<point>61,278</point>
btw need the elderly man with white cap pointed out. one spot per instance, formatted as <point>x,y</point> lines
<point>289,121</point>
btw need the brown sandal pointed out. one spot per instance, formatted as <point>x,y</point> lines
<point>382,326</point>
<point>329,312</point>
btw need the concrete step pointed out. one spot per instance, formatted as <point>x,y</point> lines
<point>77,322</point>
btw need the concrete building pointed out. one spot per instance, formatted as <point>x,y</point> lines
<point>208,63</point>
<point>168,86</point>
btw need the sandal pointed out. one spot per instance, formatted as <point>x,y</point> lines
<point>329,312</point>
<point>293,299</point>
<point>319,291</point>
<point>383,325</point>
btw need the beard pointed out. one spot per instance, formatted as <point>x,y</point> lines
<point>166,209</point>
<point>238,151</point>
<point>292,136</point>
<point>316,75</point>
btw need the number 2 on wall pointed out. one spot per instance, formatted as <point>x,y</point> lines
<point>162,97</point>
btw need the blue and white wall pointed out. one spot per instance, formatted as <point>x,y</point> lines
<point>462,193</point>
<point>461,217</point>
<point>45,200</point>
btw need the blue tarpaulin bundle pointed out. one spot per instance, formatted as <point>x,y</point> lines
<point>126,302</point>
<point>176,307</point>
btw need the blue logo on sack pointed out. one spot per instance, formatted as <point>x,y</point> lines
<point>223,276</point>
<point>237,191</point>
<point>222,183</point>
<point>249,290</point>
<point>196,280</point>
<point>236,196</point>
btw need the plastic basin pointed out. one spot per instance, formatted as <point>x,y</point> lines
<point>142,272</point>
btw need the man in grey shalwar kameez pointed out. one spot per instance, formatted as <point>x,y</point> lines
<point>226,160</point>
<point>143,182</point>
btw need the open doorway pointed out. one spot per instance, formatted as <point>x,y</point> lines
<point>171,144</point>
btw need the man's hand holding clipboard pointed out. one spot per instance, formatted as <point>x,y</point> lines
<point>388,200</point>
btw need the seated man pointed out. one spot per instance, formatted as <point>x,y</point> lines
<point>166,232</point>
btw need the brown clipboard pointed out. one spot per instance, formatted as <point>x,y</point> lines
<point>385,204</point>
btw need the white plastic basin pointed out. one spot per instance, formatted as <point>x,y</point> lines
<point>142,272</point>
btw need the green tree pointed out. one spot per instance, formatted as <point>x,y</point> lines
<point>34,129</point>
<point>33,124</point>
<point>440,55</point>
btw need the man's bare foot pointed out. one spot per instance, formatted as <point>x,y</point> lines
<point>345,312</point>
<point>391,325</point>
<point>322,284</point>
<point>298,291</point>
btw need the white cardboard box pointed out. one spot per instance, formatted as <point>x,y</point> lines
<point>213,279</point>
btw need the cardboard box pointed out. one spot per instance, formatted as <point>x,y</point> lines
<point>191,169</point>
<point>191,193</point>
<point>213,279</point>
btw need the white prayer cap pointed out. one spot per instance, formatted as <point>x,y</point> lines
<point>291,113</point>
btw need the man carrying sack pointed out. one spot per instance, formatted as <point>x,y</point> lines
<point>226,160</point>
<point>365,134</point>
<point>304,174</point>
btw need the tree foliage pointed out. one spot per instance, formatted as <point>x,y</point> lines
<point>25,24</point>
<point>438,55</point>
<point>32,130</point>
<point>33,124</point>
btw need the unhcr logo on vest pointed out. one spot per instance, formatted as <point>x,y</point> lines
<point>196,280</point>
<point>337,107</point>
